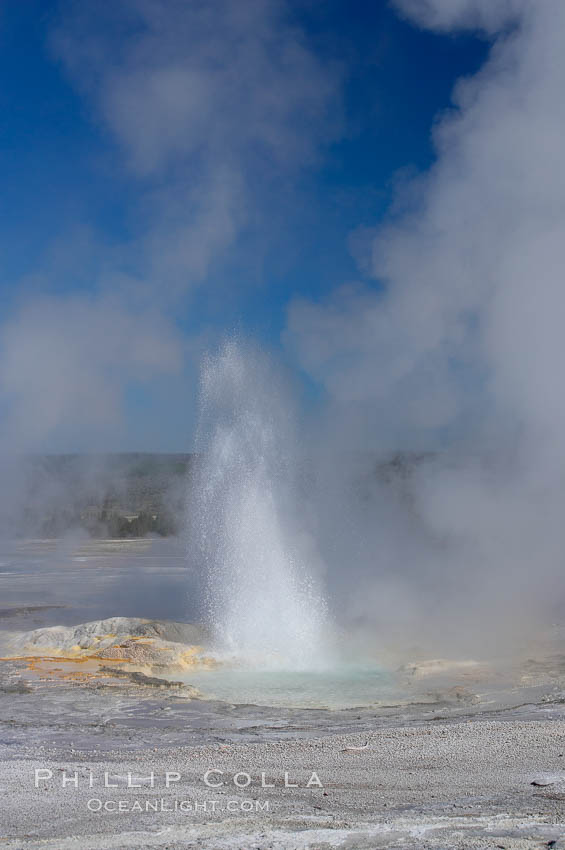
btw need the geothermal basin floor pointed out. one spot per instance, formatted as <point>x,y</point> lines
<point>96,755</point>
<point>456,785</point>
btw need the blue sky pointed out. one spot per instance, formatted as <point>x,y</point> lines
<point>74,204</point>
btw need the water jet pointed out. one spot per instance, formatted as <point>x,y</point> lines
<point>264,602</point>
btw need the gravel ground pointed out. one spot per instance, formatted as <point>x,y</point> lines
<point>456,785</point>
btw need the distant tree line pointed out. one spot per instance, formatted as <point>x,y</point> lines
<point>163,524</point>
<point>118,496</point>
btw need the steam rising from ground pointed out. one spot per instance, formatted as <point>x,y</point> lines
<point>263,601</point>
<point>460,349</point>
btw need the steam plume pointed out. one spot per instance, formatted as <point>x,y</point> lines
<point>459,347</point>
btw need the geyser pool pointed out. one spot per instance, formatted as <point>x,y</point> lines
<point>263,602</point>
<point>340,688</point>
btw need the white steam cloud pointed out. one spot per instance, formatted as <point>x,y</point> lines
<point>462,342</point>
<point>212,103</point>
<point>209,108</point>
<point>65,363</point>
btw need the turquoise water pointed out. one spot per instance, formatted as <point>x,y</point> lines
<point>342,688</point>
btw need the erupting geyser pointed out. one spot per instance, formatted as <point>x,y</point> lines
<point>263,602</point>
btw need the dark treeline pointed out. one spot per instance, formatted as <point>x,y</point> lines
<point>118,495</point>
